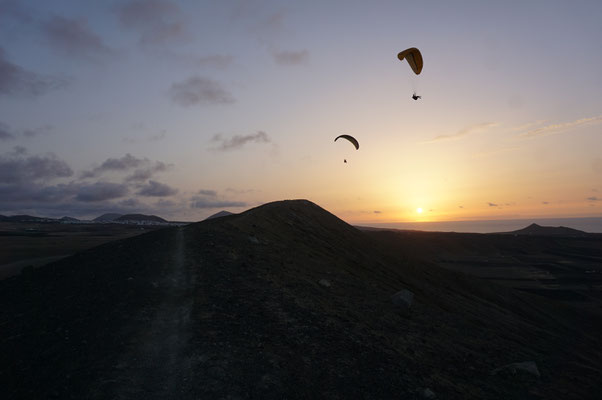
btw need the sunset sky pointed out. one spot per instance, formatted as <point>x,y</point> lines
<point>184,108</point>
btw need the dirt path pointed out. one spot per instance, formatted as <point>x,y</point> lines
<point>157,366</point>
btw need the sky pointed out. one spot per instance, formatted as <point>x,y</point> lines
<point>185,108</point>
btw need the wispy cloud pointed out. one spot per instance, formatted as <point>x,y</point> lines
<point>561,127</point>
<point>284,57</point>
<point>158,22</point>
<point>206,198</point>
<point>594,198</point>
<point>238,141</point>
<point>196,90</point>
<point>529,125</point>
<point>202,202</point>
<point>73,37</point>
<point>5,133</point>
<point>18,81</point>
<point>17,168</point>
<point>464,132</point>
<point>101,191</point>
<point>14,10</point>
<point>143,168</point>
<point>206,192</point>
<point>157,189</point>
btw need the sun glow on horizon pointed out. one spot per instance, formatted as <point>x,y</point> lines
<point>419,210</point>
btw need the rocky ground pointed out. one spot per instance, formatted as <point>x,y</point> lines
<point>283,301</point>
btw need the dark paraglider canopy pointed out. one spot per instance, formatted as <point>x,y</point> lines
<point>351,139</point>
<point>413,57</point>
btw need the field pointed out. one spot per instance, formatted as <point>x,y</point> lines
<point>559,268</point>
<point>24,244</point>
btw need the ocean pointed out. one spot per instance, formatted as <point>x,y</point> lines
<point>591,225</point>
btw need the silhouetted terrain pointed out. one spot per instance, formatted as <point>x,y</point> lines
<point>219,214</point>
<point>539,230</point>
<point>33,244</point>
<point>284,301</point>
<point>107,217</point>
<point>139,217</point>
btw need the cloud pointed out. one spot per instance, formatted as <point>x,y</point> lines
<point>377,212</point>
<point>5,132</point>
<point>11,9</point>
<point>143,174</point>
<point>218,61</point>
<point>15,80</point>
<point>545,202</point>
<point>19,150</point>
<point>561,127</point>
<point>593,198</point>
<point>529,125</point>
<point>203,202</point>
<point>100,191</point>
<point>207,198</point>
<point>74,38</point>
<point>37,131</point>
<point>158,22</point>
<point>238,141</point>
<point>492,204</point>
<point>146,168</point>
<point>205,192</point>
<point>464,132</point>
<point>157,189</point>
<point>284,57</point>
<point>196,90</point>
<point>25,169</point>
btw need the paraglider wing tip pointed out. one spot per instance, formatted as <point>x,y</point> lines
<point>351,139</point>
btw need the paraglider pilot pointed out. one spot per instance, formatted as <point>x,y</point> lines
<point>415,97</point>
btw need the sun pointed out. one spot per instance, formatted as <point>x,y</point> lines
<point>419,210</point>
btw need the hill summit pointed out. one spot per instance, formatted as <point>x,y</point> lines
<point>139,218</point>
<point>535,229</point>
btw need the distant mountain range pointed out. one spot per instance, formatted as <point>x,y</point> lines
<point>24,218</point>
<point>105,218</point>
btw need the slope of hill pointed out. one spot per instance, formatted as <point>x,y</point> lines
<point>140,218</point>
<point>282,301</point>
<point>222,213</point>
<point>539,230</point>
<point>107,217</point>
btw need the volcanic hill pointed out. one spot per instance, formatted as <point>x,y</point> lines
<point>282,301</point>
<point>535,229</point>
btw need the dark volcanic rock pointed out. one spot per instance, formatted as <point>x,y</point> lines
<point>539,230</point>
<point>222,213</point>
<point>107,217</point>
<point>201,311</point>
<point>139,218</point>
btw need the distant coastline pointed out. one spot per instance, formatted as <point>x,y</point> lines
<point>589,224</point>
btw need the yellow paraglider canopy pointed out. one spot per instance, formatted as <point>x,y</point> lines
<point>413,57</point>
